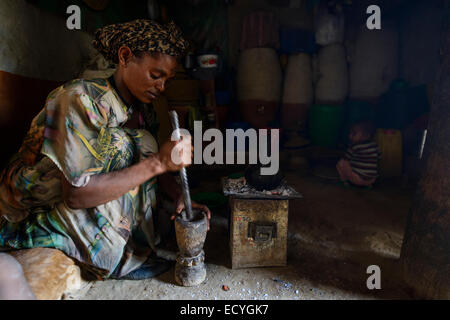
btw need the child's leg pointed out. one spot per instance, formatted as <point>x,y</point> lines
<point>344,169</point>
<point>357,180</point>
<point>347,174</point>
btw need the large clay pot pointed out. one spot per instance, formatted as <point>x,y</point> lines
<point>259,85</point>
<point>298,91</point>
<point>373,62</point>
<point>332,75</point>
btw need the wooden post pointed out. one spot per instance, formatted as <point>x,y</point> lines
<point>425,255</point>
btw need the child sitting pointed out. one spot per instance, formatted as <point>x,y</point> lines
<point>360,163</point>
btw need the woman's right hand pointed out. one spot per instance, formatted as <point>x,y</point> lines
<point>175,155</point>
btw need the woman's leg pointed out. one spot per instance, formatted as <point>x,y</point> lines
<point>13,285</point>
<point>98,237</point>
<point>101,237</point>
<point>145,232</point>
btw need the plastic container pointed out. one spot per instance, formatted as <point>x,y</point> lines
<point>295,40</point>
<point>325,124</point>
<point>329,27</point>
<point>208,60</point>
<point>394,111</point>
<point>223,97</point>
<point>391,147</point>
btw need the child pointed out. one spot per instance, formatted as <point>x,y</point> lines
<point>360,163</point>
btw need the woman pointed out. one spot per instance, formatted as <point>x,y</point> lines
<point>84,179</point>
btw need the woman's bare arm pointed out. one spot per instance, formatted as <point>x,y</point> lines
<point>103,188</point>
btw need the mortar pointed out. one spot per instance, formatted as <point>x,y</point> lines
<point>191,234</point>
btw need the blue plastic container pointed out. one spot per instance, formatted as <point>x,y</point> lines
<point>295,40</point>
<point>223,98</point>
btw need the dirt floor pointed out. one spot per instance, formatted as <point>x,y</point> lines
<point>335,233</point>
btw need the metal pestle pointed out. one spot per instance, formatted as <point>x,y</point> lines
<point>183,175</point>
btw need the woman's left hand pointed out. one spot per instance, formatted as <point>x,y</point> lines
<point>179,205</point>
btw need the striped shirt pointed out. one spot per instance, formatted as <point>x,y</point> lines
<point>363,158</point>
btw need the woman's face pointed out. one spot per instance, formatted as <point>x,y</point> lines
<point>146,75</point>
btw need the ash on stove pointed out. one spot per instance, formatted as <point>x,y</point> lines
<point>240,188</point>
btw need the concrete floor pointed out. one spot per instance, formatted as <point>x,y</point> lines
<point>335,233</point>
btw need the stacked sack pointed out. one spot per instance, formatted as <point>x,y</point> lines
<point>330,65</point>
<point>373,61</point>
<point>330,76</point>
<point>297,47</point>
<point>373,58</point>
<point>298,93</point>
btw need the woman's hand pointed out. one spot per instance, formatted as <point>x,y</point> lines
<point>175,155</point>
<point>179,205</point>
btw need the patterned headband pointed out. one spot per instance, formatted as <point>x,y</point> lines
<point>140,35</point>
